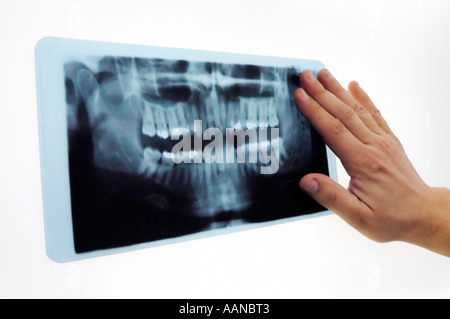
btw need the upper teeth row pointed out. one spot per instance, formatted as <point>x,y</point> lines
<point>158,121</point>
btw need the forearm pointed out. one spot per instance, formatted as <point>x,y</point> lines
<point>433,232</point>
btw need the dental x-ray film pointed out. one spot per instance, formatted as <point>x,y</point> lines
<point>142,146</point>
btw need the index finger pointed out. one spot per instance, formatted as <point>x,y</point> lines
<point>341,141</point>
<point>336,107</point>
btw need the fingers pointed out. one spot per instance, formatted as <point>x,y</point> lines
<point>332,85</point>
<point>336,107</point>
<point>361,96</point>
<point>336,198</point>
<point>334,133</point>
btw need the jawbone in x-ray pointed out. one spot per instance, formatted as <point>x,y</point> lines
<point>162,148</point>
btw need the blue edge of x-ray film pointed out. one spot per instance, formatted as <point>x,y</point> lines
<point>50,56</point>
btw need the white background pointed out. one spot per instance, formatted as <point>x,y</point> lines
<point>398,50</point>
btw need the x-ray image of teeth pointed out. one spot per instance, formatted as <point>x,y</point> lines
<point>125,186</point>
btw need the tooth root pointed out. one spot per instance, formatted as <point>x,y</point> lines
<point>150,161</point>
<point>158,177</point>
<point>181,117</point>
<point>168,176</point>
<point>182,178</point>
<point>215,170</point>
<point>206,123</point>
<point>178,176</point>
<point>227,170</point>
<point>208,173</point>
<point>242,115</point>
<point>187,114</point>
<point>187,172</point>
<point>252,116</point>
<point>252,169</point>
<point>220,168</point>
<point>143,168</point>
<point>134,104</point>
<point>163,172</point>
<point>211,104</point>
<point>149,126</point>
<point>263,115</point>
<point>195,116</point>
<point>210,115</point>
<point>241,170</point>
<point>192,172</point>
<point>166,168</point>
<point>172,120</point>
<point>161,124</point>
<point>273,117</point>
<point>232,118</point>
<point>217,115</point>
<point>193,169</point>
<point>240,153</point>
<point>229,113</point>
<point>235,171</point>
<point>173,177</point>
<point>223,115</point>
<point>200,173</point>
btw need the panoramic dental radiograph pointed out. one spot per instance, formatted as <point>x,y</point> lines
<point>162,148</point>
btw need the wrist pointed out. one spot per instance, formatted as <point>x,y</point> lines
<point>432,229</point>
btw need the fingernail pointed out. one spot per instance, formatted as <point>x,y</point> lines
<point>302,94</point>
<point>310,76</point>
<point>312,187</point>
<point>327,74</point>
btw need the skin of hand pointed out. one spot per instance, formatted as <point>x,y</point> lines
<point>386,199</point>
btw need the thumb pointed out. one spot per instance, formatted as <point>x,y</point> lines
<point>336,198</point>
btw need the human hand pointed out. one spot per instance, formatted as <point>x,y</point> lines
<point>386,199</point>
